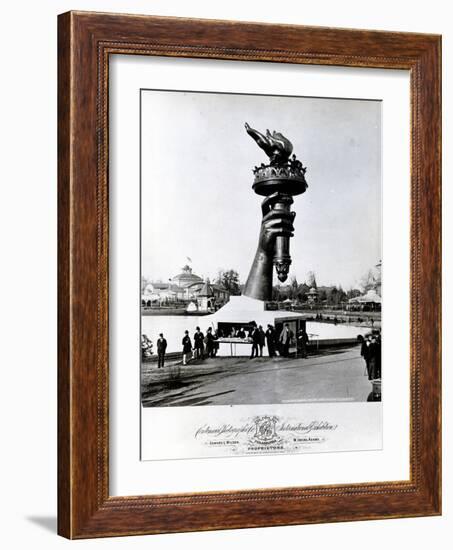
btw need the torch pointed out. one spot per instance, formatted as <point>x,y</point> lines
<point>283,180</point>
<point>285,189</point>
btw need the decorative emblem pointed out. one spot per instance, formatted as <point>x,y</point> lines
<point>265,430</point>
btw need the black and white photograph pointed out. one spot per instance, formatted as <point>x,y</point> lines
<point>225,252</point>
<point>260,264</point>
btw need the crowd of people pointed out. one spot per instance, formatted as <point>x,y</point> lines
<point>202,346</point>
<point>276,342</point>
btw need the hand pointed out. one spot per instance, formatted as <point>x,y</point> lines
<point>275,223</point>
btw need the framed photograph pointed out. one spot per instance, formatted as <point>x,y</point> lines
<point>249,267</point>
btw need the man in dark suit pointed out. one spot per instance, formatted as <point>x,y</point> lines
<point>262,341</point>
<point>375,357</point>
<point>378,352</point>
<point>366,353</point>
<point>161,348</point>
<point>209,343</point>
<point>198,339</point>
<point>270,340</point>
<point>255,336</point>
<point>302,341</point>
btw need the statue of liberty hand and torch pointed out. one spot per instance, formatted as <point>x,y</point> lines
<point>278,182</point>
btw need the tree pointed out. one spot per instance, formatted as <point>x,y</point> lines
<point>144,283</point>
<point>276,293</point>
<point>322,295</point>
<point>377,277</point>
<point>311,279</point>
<point>332,296</point>
<point>352,293</point>
<point>368,281</point>
<point>294,288</point>
<point>302,292</point>
<point>229,279</point>
<point>341,295</point>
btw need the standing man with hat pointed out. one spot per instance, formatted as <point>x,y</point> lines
<point>161,348</point>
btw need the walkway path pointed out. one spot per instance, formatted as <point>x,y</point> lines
<point>333,375</point>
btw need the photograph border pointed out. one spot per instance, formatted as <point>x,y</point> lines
<point>85,42</point>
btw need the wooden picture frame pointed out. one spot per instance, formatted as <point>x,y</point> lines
<point>85,42</point>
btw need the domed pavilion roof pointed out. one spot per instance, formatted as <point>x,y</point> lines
<point>186,277</point>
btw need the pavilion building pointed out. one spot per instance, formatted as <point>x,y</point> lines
<point>185,287</point>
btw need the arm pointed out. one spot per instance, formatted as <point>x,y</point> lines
<point>274,223</point>
<point>259,281</point>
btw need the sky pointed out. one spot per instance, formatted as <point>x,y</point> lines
<point>196,183</point>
